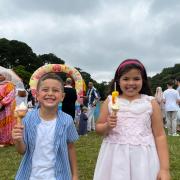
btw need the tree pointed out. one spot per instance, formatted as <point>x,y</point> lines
<point>50,59</point>
<point>23,74</point>
<point>14,53</point>
<point>163,77</point>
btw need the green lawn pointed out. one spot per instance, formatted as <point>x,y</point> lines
<point>87,151</point>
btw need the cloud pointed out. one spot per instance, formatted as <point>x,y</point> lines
<point>97,35</point>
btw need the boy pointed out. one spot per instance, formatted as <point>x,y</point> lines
<point>83,121</point>
<point>46,136</point>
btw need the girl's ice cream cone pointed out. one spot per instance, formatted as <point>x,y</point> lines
<point>115,104</point>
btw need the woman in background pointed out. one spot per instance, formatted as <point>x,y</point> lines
<point>159,99</point>
<point>7,106</point>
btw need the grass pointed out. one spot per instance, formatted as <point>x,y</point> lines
<point>87,152</point>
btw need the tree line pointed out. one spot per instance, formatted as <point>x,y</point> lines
<point>19,56</point>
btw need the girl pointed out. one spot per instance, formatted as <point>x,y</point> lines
<point>134,145</point>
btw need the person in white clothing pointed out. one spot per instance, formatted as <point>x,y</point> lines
<point>178,114</point>
<point>159,98</point>
<point>92,98</point>
<point>134,145</point>
<point>171,100</point>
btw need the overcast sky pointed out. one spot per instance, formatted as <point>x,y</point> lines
<point>96,35</point>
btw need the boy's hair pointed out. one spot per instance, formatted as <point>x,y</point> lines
<point>50,75</point>
<point>126,66</point>
<point>170,83</point>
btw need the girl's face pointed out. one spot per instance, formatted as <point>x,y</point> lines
<point>131,84</point>
<point>2,78</point>
<point>50,93</point>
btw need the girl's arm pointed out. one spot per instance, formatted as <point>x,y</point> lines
<point>73,160</point>
<point>160,141</point>
<point>105,121</point>
<point>17,135</point>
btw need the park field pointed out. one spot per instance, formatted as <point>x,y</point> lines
<point>87,151</point>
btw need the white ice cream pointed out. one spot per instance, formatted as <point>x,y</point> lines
<point>21,107</point>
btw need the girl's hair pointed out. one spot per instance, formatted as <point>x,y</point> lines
<point>125,67</point>
<point>50,75</point>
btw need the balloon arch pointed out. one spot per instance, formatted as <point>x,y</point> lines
<point>74,73</point>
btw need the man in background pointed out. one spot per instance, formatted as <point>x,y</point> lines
<point>92,98</point>
<point>68,104</point>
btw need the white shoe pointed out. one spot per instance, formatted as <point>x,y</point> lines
<point>175,134</point>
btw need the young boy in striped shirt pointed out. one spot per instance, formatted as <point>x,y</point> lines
<point>46,136</point>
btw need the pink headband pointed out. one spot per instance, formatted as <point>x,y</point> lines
<point>130,62</point>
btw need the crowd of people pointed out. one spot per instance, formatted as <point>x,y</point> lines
<point>170,108</point>
<point>134,133</point>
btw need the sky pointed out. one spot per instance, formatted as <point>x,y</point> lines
<point>97,35</point>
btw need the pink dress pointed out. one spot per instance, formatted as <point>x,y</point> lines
<point>128,152</point>
<point>7,120</point>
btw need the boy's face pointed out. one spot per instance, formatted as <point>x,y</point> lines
<point>50,93</point>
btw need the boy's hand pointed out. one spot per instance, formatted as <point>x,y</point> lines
<point>112,121</point>
<point>17,133</point>
<point>75,178</point>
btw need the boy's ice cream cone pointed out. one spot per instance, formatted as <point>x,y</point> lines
<point>20,111</point>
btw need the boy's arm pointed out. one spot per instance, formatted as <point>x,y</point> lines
<point>17,135</point>
<point>73,160</point>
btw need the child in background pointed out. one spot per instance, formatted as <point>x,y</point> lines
<point>159,98</point>
<point>134,146</point>
<point>46,136</point>
<point>83,121</point>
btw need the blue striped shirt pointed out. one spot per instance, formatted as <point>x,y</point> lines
<point>65,132</point>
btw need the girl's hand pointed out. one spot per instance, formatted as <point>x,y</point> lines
<point>17,133</point>
<point>163,175</point>
<point>112,121</point>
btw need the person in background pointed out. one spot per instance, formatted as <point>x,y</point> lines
<point>178,84</point>
<point>178,113</point>
<point>171,99</point>
<point>92,98</point>
<point>159,99</point>
<point>83,121</point>
<point>7,107</point>
<point>68,104</point>
<point>31,100</point>
<point>46,138</point>
<point>134,145</point>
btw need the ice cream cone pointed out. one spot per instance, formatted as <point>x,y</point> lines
<point>20,112</point>
<point>115,104</point>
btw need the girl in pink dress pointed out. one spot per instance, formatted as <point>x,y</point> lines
<point>134,145</point>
